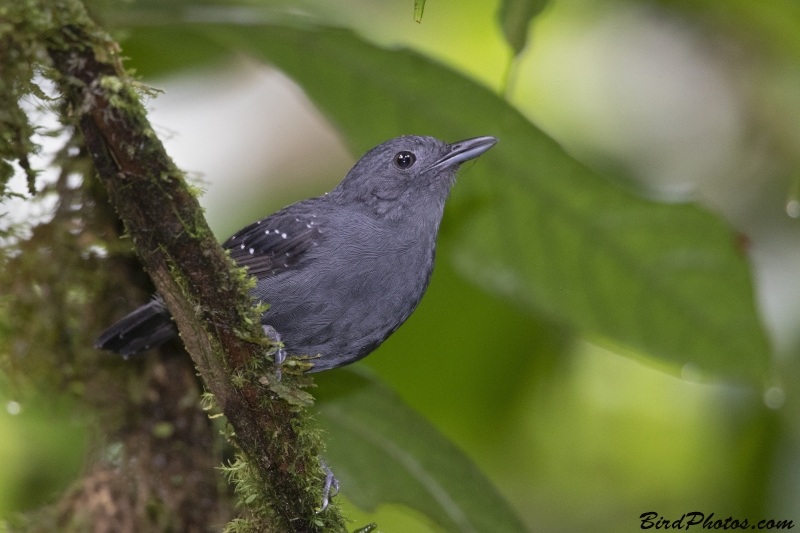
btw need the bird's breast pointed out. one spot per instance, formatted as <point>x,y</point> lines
<point>356,288</point>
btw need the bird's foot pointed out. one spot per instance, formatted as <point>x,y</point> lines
<point>331,487</point>
<point>279,356</point>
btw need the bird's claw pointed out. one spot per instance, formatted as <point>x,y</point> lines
<point>330,482</point>
<point>280,354</point>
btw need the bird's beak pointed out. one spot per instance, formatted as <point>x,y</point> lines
<point>464,151</point>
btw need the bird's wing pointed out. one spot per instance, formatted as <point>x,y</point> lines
<point>276,243</point>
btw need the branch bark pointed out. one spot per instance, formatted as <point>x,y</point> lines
<point>206,294</point>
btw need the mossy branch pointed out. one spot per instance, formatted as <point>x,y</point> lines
<point>206,293</point>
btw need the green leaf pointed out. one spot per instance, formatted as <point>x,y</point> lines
<point>419,7</point>
<point>382,451</point>
<point>529,221</point>
<point>161,50</point>
<point>515,18</point>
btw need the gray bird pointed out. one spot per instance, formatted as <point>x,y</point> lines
<point>341,271</point>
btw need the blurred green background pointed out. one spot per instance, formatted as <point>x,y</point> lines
<point>579,428</point>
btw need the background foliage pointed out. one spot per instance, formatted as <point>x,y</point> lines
<point>612,325</point>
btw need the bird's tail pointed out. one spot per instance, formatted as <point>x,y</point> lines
<point>149,326</point>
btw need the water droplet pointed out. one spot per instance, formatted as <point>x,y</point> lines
<point>774,397</point>
<point>13,408</point>
<point>793,208</point>
<point>690,372</point>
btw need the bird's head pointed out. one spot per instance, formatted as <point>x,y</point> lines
<point>408,172</point>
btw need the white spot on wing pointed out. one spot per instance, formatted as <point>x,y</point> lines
<point>251,250</point>
<point>283,235</point>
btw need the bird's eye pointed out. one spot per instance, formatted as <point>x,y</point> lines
<point>404,159</point>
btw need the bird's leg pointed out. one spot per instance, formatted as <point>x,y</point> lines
<point>280,354</point>
<point>330,483</point>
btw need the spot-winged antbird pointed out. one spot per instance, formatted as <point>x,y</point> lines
<point>341,271</point>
